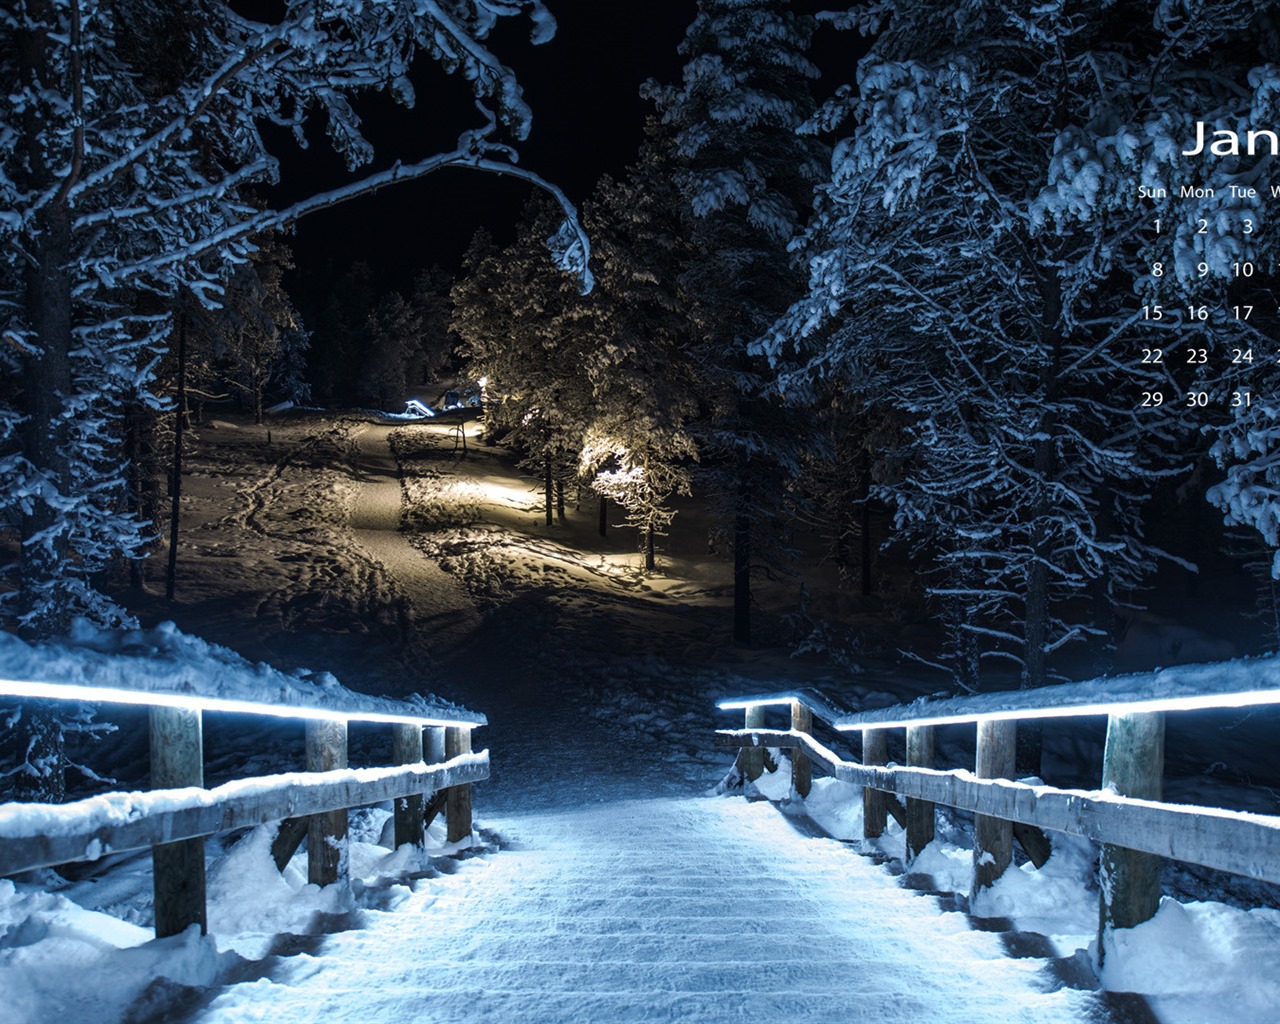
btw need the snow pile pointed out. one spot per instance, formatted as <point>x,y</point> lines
<point>163,660</point>
<point>1202,962</point>
<point>1197,962</point>
<point>122,973</point>
<point>59,961</point>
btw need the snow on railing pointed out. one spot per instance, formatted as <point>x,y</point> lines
<point>174,817</point>
<point>1126,815</point>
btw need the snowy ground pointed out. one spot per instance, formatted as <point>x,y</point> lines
<point>599,684</point>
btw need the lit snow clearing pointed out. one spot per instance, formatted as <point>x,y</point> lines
<point>695,909</point>
<point>444,616</point>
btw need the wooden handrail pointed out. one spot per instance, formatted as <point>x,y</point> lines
<point>818,703</point>
<point>1127,816</point>
<point>1180,688</point>
<point>1243,844</point>
<point>174,818</point>
<point>44,835</point>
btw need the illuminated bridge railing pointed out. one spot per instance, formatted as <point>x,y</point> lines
<point>433,772</point>
<point>1125,815</point>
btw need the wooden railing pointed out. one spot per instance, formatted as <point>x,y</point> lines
<point>1126,815</point>
<point>177,813</point>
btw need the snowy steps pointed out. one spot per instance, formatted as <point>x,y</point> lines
<point>701,910</point>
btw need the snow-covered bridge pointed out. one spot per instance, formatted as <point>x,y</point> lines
<point>608,902</point>
<point>669,909</point>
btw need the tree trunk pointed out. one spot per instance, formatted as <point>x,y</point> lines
<point>1035,670</point>
<point>649,560</point>
<point>864,499</point>
<point>604,516</point>
<point>547,487</point>
<point>175,479</point>
<point>742,576</point>
<point>560,498</point>
<point>1103,646</point>
<point>140,466</point>
<point>44,600</point>
<point>46,384</point>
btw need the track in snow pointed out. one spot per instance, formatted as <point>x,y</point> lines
<point>668,909</point>
<point>437,615</point>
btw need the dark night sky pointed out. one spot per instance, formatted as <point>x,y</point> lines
<point>583,87</point>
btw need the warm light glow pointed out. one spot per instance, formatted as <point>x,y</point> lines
<point>483,382</point>
<point>1199,702</point>
<point>147,698</point>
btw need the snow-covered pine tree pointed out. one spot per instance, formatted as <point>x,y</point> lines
<point>745,179</point>
<point>434,309</point>
<point>980,262</point>
<point>390,338</point>
<point>250,332</point>
<point>638,450</point>
<point>129,132</point>
<point>515,318</point>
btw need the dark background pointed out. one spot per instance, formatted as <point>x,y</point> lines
<point>588,120</point>
<point>583,87</point>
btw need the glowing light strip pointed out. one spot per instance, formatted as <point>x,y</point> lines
<point>195,702</point>
<point>1198,702</point>
<point>761,702</point>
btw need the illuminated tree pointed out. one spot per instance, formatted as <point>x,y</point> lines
<point>745,181</point>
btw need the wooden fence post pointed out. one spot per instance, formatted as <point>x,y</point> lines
<point>875,804</point>
<point>1132,763</point>
<point>920,813</point>
<point>327,832</point>
<point>751,759</point>
<point>177,760</point>
<point>406,748</point>
<point>801,766</point>
<point>993,837</point>
<point>457,811</point>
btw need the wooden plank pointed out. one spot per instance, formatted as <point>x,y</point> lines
<point>178,869</point>
<point>751,759</point>
<point>894,806</point>
<point>434,806</point>
<point>116,822</point>
<point>457,813</point>
<point>1129,880</point>
<point>433,753</point>
<point>433,745</point>
<point>288,839</point>
<point>1237,842</point>
<point>406,748</point>
<point>801,766</point>
<point>921,816</point>
<point>1035,844</point>
<point>326,831</point>
<point>993,837</point>
<point>875,750</point>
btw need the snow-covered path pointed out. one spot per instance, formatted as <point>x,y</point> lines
<point>442,614</point>
<point>668,909</point>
